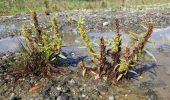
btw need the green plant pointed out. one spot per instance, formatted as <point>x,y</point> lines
<point>114,63</point>
<point>86,39</point>
<point>39,53</point>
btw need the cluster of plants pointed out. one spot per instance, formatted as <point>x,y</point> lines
<point>39,51</point>
<point>115,61</point>
<point>112,61</point>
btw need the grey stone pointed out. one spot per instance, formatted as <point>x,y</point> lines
<point>151,95</point>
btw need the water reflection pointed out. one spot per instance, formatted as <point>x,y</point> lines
<point>10,44</point>
<point>74,41</point>
<point>4,28</point>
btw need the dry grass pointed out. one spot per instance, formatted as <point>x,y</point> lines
<point>23,6</point>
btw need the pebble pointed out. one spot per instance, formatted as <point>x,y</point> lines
<point>105,24</point>
<point>58,88</point>
<point>63,96</point>
<point>13,97</point>
<point>111,97</point>
<point>151,95</point>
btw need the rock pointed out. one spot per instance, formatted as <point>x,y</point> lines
<point>13,97</point>
<point>45,92</point>
<point>96,92</point>
<point>132,97</point>
<point>63,96</point>
<point>72,81</point>
<point>2,91</point>
<point>105,24</point>
<point>111,97</point>
<point>151,95</point>
<point>59,88</point>
<point>54,91</point>
<point>65,89</point>
<point>59,98</point>
<point>103,88</point>
<point>83,95</point>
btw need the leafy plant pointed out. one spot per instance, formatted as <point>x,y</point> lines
<point>39,52</point>
<point>114,63</point>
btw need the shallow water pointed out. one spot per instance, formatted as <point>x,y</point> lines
<point>4,28</point>
<point>10,44</point>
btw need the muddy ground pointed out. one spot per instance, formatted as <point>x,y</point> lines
<point>152,84</point>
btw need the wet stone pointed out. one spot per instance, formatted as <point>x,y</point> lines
<point>111,97</point>
<point>72,81</point>
<point>45,92</point>
<point>63,96</point>
<point>65,89</point>
<point>96,92</point>
<point>103,88</point>
<point>2,92</point>
<point>151,95</point>
<point>13,97</point>
<point>54,91</point>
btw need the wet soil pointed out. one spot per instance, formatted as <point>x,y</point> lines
<point>153,82</point>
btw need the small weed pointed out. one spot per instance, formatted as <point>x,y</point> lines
<point>39,52</point>
<point>113,63</point>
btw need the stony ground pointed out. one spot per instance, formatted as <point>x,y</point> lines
<point>68,86</point>
<point>94,20</point>
<point>71,85</point>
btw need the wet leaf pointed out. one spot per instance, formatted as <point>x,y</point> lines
<point>62,56</point>
<point>35,89</point>
<point>84,72</point>
<point>95,44</point>
<point>116,67</point>
<point>97,77</point>
<point>150,54</point>
<point>152,42</point>
<point>133,35</point>
<point>82,65</point>
<point>144,26</point>
<point>119,77</point>
<point>132,71</point>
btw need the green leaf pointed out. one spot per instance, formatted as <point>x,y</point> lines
<point>151,55</point>
<point>62,56</point>
<point>144,26</point>
<point>132,71</point>
<point>95,44</point>
<point>152,42</point>
<point>119,77</point>
<point>84,72</point>
<point>133,35</point>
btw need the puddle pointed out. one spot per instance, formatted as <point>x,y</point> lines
<point>10,44</point>
<point>161,36</point>
<point>8,27</point>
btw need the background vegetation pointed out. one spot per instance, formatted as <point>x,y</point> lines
<point>23,6</point>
